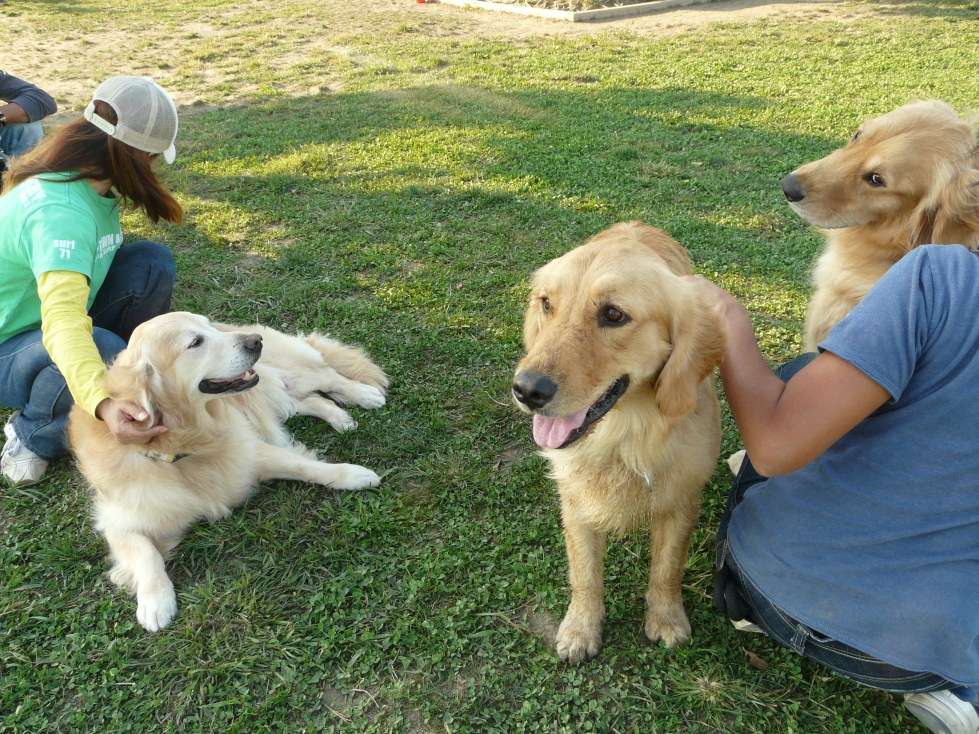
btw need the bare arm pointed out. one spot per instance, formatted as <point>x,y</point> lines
<point>13,112</point>
<point>787,425</point>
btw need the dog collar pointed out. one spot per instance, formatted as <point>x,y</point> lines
<point>649,481</point>
<point>167,458</point>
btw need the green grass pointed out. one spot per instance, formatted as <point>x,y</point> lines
<point>394,180</point>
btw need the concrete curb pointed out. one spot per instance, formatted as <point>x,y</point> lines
<point>575,16</point>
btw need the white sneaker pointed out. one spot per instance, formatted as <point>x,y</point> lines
<point>942,712</point>
<point>20,466</point>
<point>743,625</point>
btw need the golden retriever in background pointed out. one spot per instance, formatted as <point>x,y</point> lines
<point>907,178</point>
<point>618,372</point>
<point>225,435</point>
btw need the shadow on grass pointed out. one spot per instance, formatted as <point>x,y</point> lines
<point>951,9</point>
<point>410,223</point>
<point>465,179</point>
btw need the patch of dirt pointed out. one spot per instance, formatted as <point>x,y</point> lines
<point>571,4</point>
<point>71,59</point>
<point>662,22</point>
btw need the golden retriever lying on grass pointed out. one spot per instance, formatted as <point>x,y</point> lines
<point>225,434</point>
<point>906,178</point>
<point>618,374</point>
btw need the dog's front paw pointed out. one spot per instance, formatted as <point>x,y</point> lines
<point>341,421</point>
<point>669,624</point>
<point>353,476</point>
<point>368,396</point>
<point>578,639</point>
<point>156,607</point>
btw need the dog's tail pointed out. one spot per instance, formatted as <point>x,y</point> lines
<point>351,362</point>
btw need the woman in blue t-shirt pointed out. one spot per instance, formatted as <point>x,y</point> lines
<point>71,292</point>
<point>852,534</point>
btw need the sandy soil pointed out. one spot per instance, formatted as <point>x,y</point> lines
<point>672,20</point>
<point>70,59</point>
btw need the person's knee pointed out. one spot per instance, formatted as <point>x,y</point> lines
<point>20,138</point>
<point>157,257</point>
<point>159,260</point>
<point>150,264</point>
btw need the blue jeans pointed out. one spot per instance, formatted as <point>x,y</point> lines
<point>737,597</point>
<point>138,286</point>
<point>19,138</point>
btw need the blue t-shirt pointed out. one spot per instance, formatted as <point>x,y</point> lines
<point>876,542</point>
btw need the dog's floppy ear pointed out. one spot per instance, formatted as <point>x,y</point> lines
<point>668,249</point>
<point>951,214</point>
<point>956,220</point>
<point>698,339</point>
<point>132,379</point>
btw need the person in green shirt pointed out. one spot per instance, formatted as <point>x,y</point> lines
<point>72,291</point>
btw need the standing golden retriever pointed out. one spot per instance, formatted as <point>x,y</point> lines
<point>225,435</point>
<point>618,374</point>
<point>906,178</point>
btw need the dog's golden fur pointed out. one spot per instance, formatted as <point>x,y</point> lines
<point>617,307</point>
<point>219,445</point>
<point>907,178</point>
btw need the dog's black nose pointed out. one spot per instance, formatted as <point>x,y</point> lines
<point>792,188</point>
<point>533,390</point>
<point>253,343</point>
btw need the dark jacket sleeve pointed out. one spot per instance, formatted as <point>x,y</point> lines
<point>36,102</point>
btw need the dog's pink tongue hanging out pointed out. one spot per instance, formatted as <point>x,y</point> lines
<point>551,433</point>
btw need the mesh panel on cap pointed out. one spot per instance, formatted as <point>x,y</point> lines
<point>147,115</point>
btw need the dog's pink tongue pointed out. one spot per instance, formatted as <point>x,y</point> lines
<point>551,433</point>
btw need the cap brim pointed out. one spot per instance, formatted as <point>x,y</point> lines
<point>169,154</point>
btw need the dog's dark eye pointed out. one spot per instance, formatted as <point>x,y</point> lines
<point>613,316</point>
<point>196,342</point>
<point>856,135</point>
<point>875,179</point>
<point>545,304</point>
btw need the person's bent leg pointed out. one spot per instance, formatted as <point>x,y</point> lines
<point>21,358</point>
<point>32,383</point>
<point>728,596</point>
<point>839,657</point>
<point>19,138</point>
<point>138,286</point>
<point>940,705</point>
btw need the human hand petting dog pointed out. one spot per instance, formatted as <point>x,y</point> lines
<point>723,302</point>
<point>124,419</point>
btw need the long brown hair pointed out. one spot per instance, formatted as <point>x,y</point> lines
<point>82,147</point>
